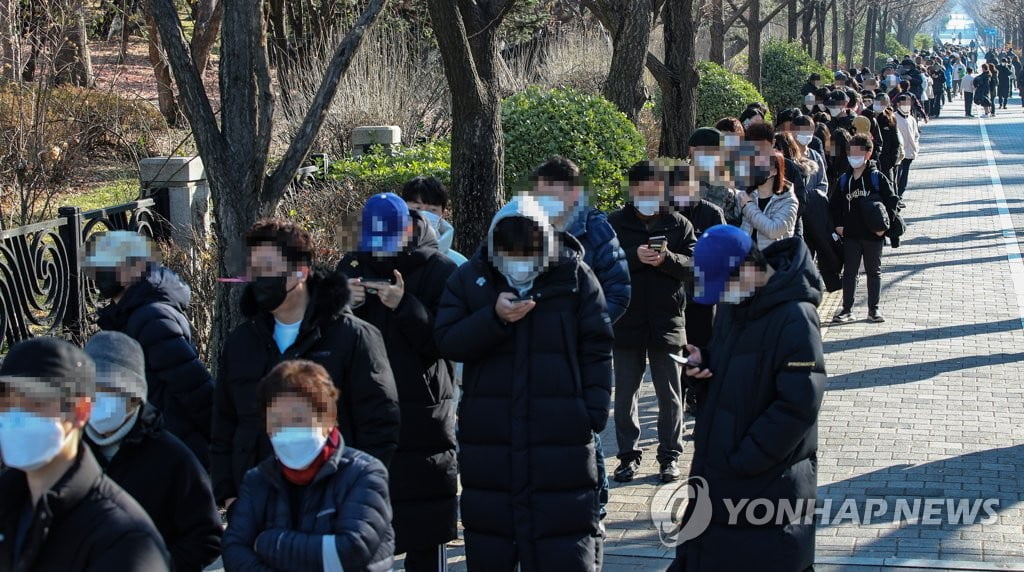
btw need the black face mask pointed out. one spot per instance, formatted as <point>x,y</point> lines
<point>107,284</point>
<point>761,175</point>
<point>270,292</point>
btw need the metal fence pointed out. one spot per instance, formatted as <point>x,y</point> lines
<point>42,288</point>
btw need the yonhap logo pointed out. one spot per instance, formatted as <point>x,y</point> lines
<point>670,504</point>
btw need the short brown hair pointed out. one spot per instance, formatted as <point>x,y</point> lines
<point>760,132</point>
<point>862,141</point>
<point>302,378</point>
<point>293,241</point>
<point>730,125</point>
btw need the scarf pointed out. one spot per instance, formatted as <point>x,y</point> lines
<point>305,476</point>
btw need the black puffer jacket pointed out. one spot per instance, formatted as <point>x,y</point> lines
<point>152,311</point>
<point>84,522</point>
<point>423,472</point>
<point>534,391</point>
<point>655,316</point>
<point>757,431</point>
<point>351,350</point>
<point>159,472</point>
<point>344,522</point>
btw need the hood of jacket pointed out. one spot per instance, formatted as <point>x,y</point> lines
<point>796,279</point>
<point>328,296</point>
<point>525,206</point>
<point>158,285</point>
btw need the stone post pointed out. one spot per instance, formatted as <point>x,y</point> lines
<point>188,195</point>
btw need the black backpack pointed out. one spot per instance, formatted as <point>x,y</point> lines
<point>897,226</point>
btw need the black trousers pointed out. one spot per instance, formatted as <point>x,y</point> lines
<point>968,102</point>
<point>870,251</point>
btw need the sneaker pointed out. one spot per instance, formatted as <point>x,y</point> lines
<point>901,205</point>
<point>626,470</point>
<point>875,318</point>
<point>843,317</point>
<point>669,472</point>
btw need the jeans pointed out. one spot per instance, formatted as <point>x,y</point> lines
<point>904,172</point>
<point>630,364</point>
<point>854,250</point>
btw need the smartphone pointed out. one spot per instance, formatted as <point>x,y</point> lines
<point>369,283</point>
<point>685,360</point>
<point>657,243</point>
<point>521,300</point>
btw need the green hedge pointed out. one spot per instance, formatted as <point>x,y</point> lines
<point>588,129</point>
<point>388,172</point>
<point>892,49</point>
<point>722,93</point>
<point>785,67</point>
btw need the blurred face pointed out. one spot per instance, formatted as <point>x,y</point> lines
<point>36,428</point>
<point>276,282</point>
<point>742,287</point>
<point>290,410</point>
<point>421,206</point>
<point>685,193</point>
<point>558,199</point>
<point>648,197</point>
<point>858,156</point>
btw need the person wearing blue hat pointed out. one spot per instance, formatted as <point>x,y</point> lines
<point>759,388</point>
<point>397,277</point>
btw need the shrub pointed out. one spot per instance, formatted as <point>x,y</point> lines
<point>380,171</point>
<point>588,129</point>
<point>722,93</point>
<point>892,49</point>
<point>785,67</point>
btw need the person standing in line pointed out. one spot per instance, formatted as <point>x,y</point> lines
<point>1005,76</point>
<point>659,243</point>
<point>863,193</point>
<point>910,133</point>
<point>129,442</point>
<point>58,511</point>
<point>428,196</point>
<point>967,85</point>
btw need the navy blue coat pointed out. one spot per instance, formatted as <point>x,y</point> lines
<point>345,517</point>
<point>152,311</point>
<point>604,255</point>
<point>757,430</point>
<point>533,393</point>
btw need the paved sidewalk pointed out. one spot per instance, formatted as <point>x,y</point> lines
<point>927,405</point>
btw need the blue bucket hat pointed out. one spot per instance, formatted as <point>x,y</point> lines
<point>385,218</point>
<point>719,252</point>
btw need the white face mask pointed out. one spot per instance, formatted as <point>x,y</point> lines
<point>519,270</point>
<point>29,441</point>
<point>804,138</point>
<point>647,207</point>
<point>297,447</point>
<point>734,295</point>
<point>706,162</point>
<point>434,220</point>
<point>905,109</point>
<point>553,207</point>
<point>878,107</point>
<point>109,412</point>
<point>856,162</point>
<point>835,111</point>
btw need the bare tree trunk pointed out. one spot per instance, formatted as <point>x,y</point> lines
<point>73,61</point>
<point>867,55</point>
<point>631,36</point>
<point>10,48</point>
<point>819,44</point>
<point>208,18</point>
<point>754,28</point>
<point>467,38</point>
<point>679,85</point>
<point>849,24</point>
<point>883,30</point>
<point>792,21</point>
<point>717,54</point>
<point>806,25</point>
<point>166,101</point>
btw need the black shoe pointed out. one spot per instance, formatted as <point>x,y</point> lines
<point>875,318</point>
<point>843,317</point>
<point>669,472</point>
<point>626,470</point>
<point>901,205</point>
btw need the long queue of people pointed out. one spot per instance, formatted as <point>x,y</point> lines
<point>350,402</point>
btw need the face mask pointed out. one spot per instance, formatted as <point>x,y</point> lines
<point>647,207</point>
<point>270,292</point>
<point>519,271</point>
<point>905,109</point>
<point>856,162</point>
<point>761,175</point>
<point>109,412</point>
<point>434,220</point>
<point>835,111</point>
<point>890,79</point>
<point>682,200</point>
<point>878,108</point>
<point>868,103</point>
<point>107,284</point>
<point>734,295</point>
<point>804,138</point>
<point>29,441</point>
<point>297,447</point>
<point>553,207</point>
<point>706,162</point>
